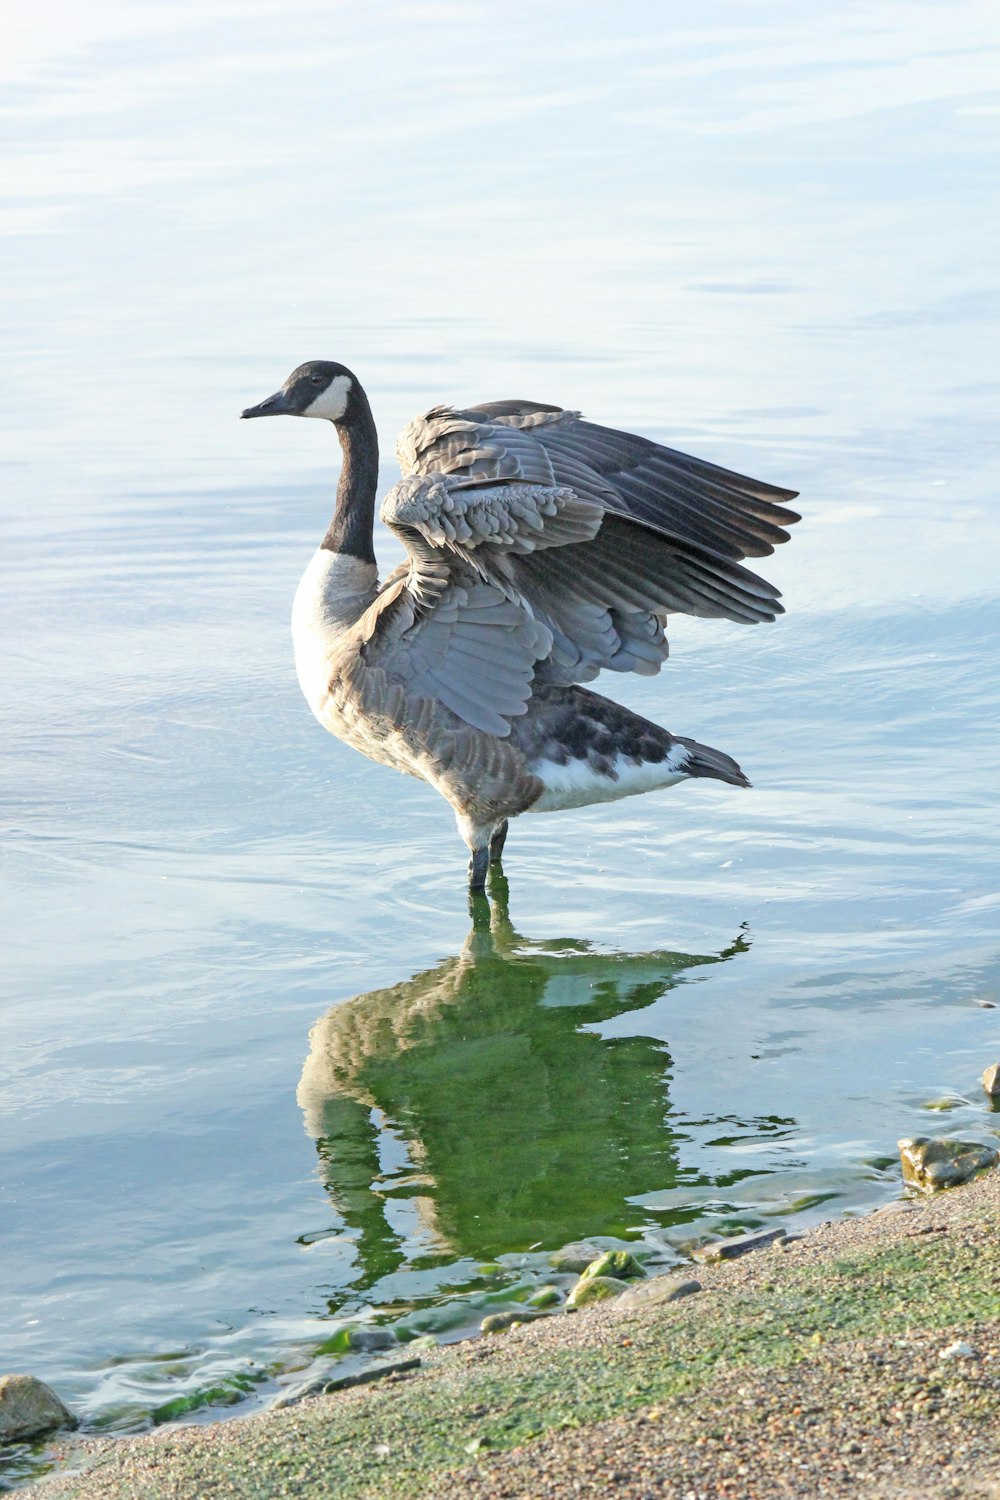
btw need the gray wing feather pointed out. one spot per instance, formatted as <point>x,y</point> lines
<point>684,497</point>
<point>443,511</point>
<point>546,547</point>
<point>474,651</point>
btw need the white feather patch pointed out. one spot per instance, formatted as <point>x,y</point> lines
<point>332,593</point>
<point>331,403</point>
<point>577,784</point>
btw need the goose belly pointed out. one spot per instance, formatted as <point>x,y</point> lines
<point>341,712</point>
<point>371,737</point>
<point>578,783</point>
<point>319,668</point>
<point>341,715</point>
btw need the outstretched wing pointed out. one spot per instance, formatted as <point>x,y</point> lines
<point>544,547</point>
<point>685,498</point>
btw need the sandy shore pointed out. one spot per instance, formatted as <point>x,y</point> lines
<point>808,1370</point>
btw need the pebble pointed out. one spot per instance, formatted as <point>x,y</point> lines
<point>30,1409</point>
<point>739,1244</point>
<point>958,1350</point>
<point>500,1322</point>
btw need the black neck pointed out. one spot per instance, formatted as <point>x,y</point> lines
<point>350,531</point>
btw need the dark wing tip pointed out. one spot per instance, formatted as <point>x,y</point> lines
<point>770,491</point>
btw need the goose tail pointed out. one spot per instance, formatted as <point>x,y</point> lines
<point>713,763</point>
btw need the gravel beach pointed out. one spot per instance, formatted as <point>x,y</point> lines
<point>862,1359</point>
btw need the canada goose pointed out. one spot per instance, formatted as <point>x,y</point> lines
<point>542,550</point>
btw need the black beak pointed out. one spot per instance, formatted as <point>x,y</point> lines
<point>274,406</point>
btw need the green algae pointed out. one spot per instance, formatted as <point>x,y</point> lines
<point>620,1264</point>
<point>546,1296</point>
<point>595,1289</point>
<point>226,1392</point>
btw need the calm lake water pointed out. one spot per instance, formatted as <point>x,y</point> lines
<point>261,1072</point>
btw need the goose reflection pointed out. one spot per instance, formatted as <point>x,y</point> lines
<point>520,1124</point>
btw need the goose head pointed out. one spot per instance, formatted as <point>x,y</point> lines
<point>319,388</point>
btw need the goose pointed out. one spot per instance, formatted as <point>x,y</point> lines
<point>541,549</point>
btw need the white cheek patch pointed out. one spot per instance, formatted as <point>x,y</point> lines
<point>331,403</point>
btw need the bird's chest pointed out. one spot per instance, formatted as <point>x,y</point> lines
<point>332,595</point>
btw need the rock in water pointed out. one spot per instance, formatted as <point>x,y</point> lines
<point>991,1080</point>
<point>616,1263</point>
<point>739,1244</point>
<point>933,1163</point>
<point>29,1409</point>
<point>658,1290</point>
<point>369,1339</point>
<point>546,1296</point>
<point>595,1289</point>
<point>497,1322</point>
<point>575,1257</point>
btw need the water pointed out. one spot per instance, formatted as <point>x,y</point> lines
<point>766,237</point>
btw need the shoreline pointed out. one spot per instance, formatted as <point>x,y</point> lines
<point>810,1368</point>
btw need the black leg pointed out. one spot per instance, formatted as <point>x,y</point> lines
<point>478,865</point>
<point>497,843</point>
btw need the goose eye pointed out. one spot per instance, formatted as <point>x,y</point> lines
<point>316,379</point>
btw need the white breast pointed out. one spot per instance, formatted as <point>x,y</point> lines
<point>577,784</point>
<point>333,593</point>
